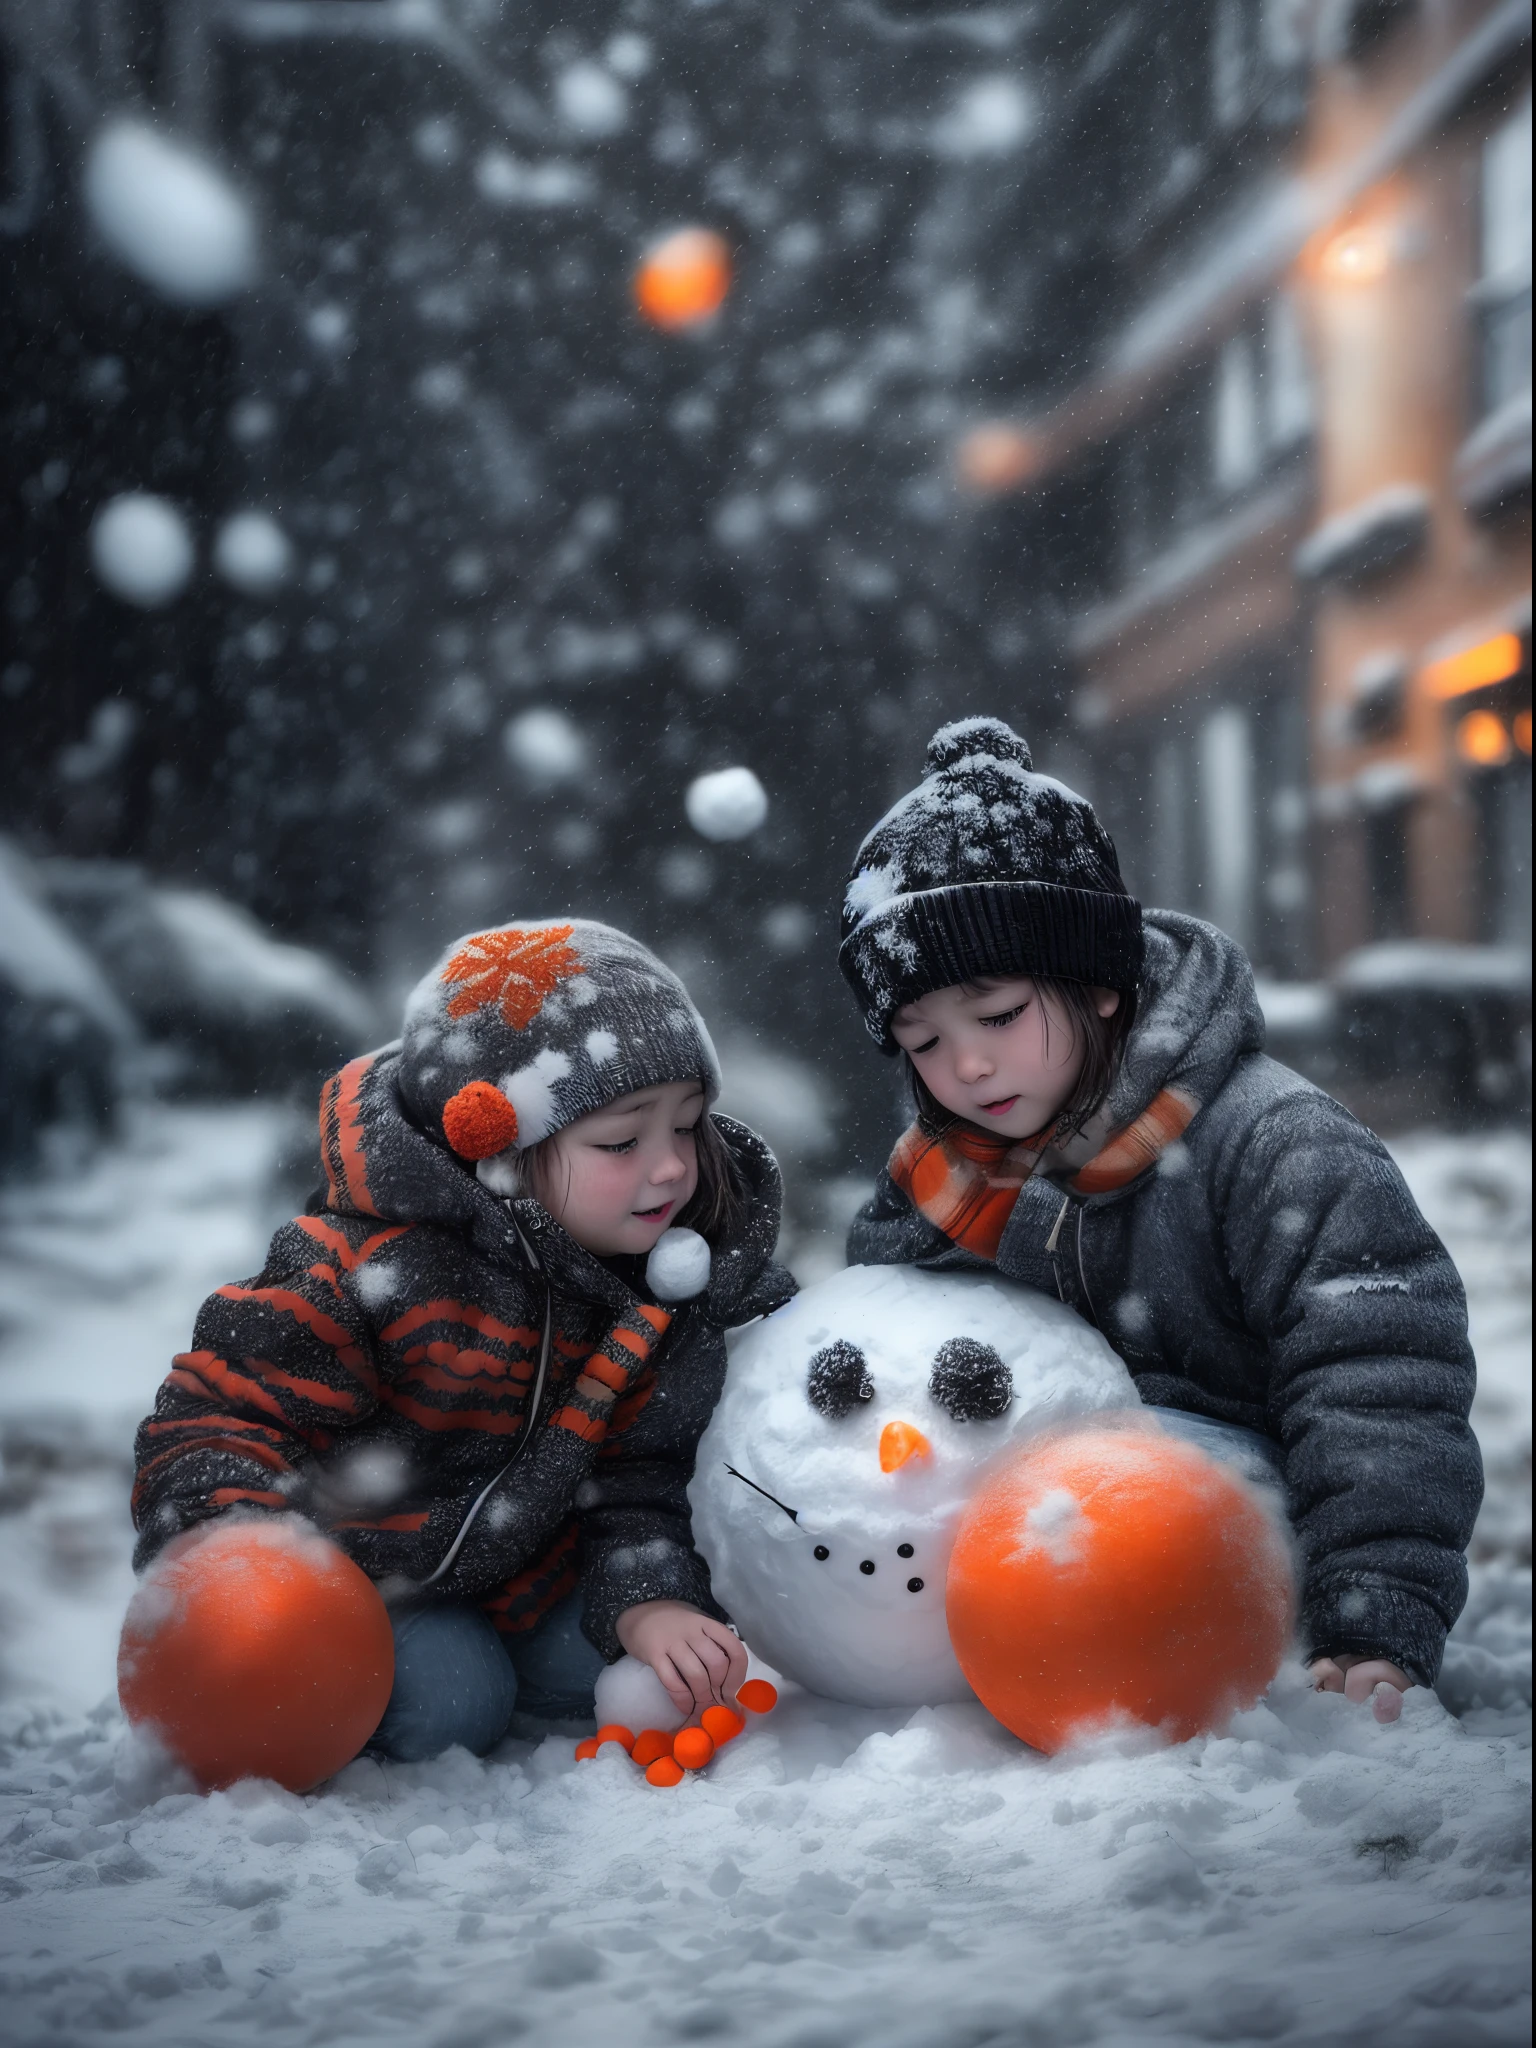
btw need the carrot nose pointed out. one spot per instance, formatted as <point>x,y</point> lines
<point>900,1441</point>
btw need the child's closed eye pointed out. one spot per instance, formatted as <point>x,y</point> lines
<point>927,1046</point>
<point>1004,1017</point>
<point>627,1146</point>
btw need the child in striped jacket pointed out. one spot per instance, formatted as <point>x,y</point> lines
<point>469,1363</point>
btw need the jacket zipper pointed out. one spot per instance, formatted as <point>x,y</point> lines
<point>1053,1241</point>
<point>1093,1314</point>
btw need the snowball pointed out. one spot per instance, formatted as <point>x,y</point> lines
<point>730,804</point>
<point>252,553</point>
<point>630,1694</point>
<point>141,548</point>
<point>678,1267</point>
<point>628,54</point>
<point>547,747</point>
<point>169,215</point>
<point>591,100</point>
<point>990,118</point>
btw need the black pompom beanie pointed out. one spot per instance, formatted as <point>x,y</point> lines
<point>985,868</point>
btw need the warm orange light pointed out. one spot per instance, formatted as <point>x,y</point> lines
<point>683,279</point>
<point>1357,256</point>
<point>1475,668</point>
<point>1520,726</point>
<point>1483,739</point>
<point>996,457</point>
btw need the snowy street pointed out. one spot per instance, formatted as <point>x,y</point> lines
<point>840,1876</point>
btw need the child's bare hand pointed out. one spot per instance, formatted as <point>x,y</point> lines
<point>1361,1679</point>
<point>697,1659</point>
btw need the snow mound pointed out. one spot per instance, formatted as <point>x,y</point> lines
<point>730,804</point>
<point>141,548</point>
<point>169,215</point>
<point>869,1877</point>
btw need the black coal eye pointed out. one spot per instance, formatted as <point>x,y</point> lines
<point>914,1585</point>
<point>867,1567</point>
<point>903,1550</point>
<point>970,1380</point>
<point>821,1553</point>
<point>838,1380</point>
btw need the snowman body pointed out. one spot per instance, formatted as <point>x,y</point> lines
<point>854,1427</point>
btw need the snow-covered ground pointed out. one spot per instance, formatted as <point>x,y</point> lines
<point>839,1876</point>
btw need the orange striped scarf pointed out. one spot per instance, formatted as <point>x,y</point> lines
<point>966,1182</point>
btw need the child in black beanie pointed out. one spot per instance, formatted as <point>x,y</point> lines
<point>1095,1116</point>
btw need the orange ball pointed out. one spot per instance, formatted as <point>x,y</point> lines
<point>650,1743</point>
<point>664,1772</point>
<point>614,1731</point>
<point>683,279</point>
<point>693,1748</point>
<point>721,1724</point>
<point>586,1749</point>
<point>257,1650</point>
<point>757,1696</point>
<point>1111,1575</point>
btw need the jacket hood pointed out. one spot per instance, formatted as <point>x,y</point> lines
<point>378,1164</point>
<point>1197,1014</point>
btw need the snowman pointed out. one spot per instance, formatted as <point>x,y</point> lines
<point>854,1427</point>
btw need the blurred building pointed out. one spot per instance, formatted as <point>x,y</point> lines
<point>482,571</point>
<point>1301,645</point>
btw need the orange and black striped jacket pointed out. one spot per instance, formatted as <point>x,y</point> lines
<point>376,1373</point>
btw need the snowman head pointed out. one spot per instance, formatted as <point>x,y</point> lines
<point>854,1427</point>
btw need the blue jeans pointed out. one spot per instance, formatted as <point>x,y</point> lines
<point>458,1681</point>
<point>1256,1457</point>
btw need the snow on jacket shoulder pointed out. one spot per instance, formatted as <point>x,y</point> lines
<point>376,1374</point>
<point>1271,1270</point>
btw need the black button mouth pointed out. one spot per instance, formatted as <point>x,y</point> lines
<point>914,1585</point>
<point>867,1567</point>
<point>903,1550</point>
<point>821,1553</point>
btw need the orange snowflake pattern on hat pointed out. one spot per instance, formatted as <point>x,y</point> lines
<point>516,968</point>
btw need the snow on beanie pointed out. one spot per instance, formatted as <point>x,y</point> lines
<point>518,1031</point>
<point>985,868</point>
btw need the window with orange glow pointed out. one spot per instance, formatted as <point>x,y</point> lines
<point>1483,739</point>
<point>1476,668</point>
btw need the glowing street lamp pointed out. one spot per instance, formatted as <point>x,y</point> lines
<point>1359,255</point>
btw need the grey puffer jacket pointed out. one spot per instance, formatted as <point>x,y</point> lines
<point>1271,1270</point>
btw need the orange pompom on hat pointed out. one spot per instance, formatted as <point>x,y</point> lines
<point>479,1121</point>
<point>519,1030</point>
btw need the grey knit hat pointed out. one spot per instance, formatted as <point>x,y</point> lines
<point>984,868</point>
<point>520,1030</point>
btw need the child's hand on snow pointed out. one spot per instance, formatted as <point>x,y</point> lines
<point>698,1660</point>
<point>1361,1679</point>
